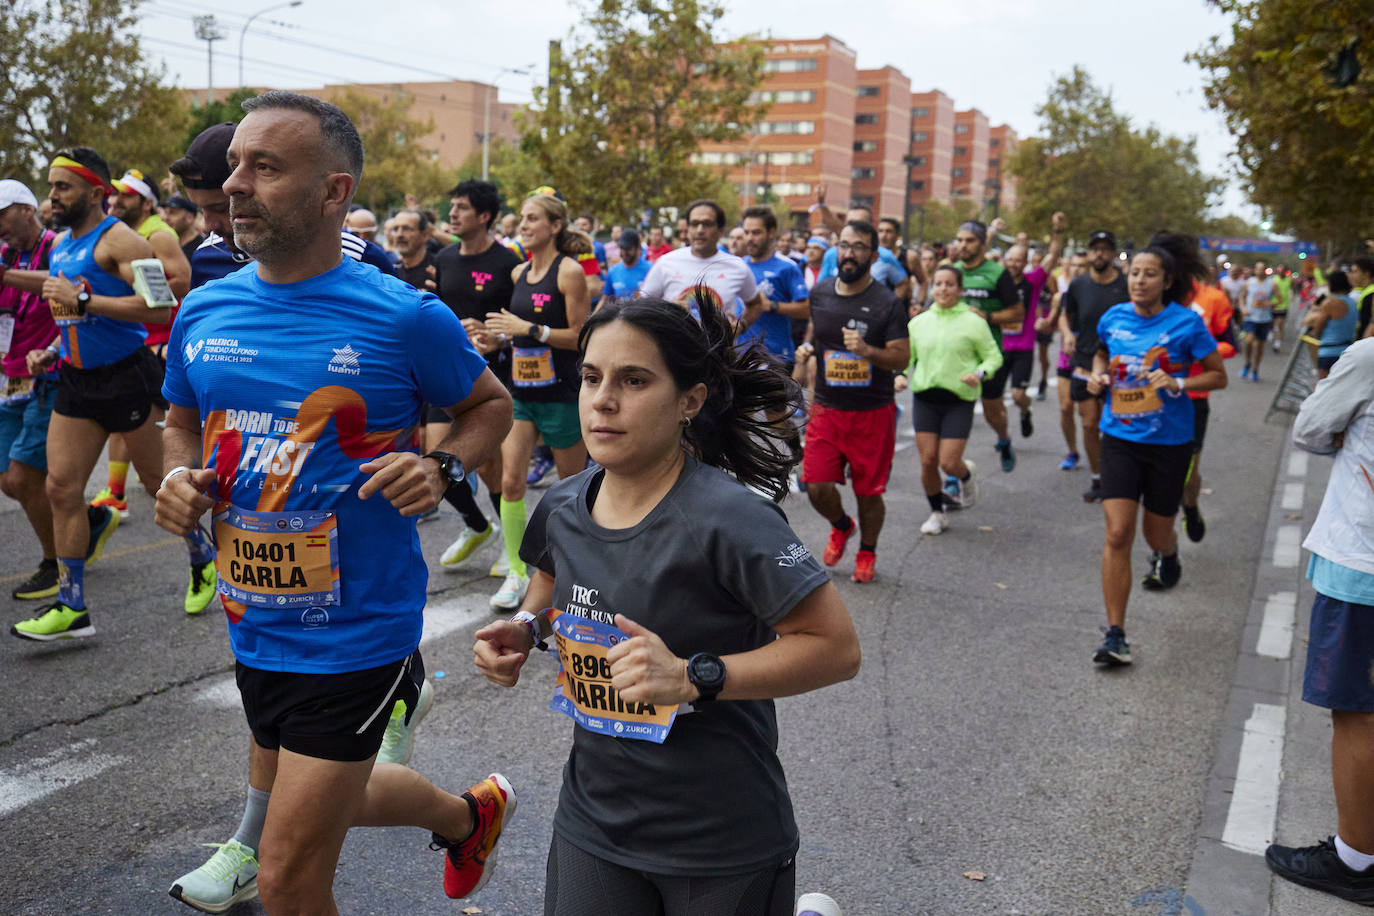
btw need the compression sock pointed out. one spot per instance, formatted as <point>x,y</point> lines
<point>71,574</point>
<point>513,532</point>
<point>937,501</point>
<point>119,472</point>
<point>495,502</point>
<point>254,813</point>
<point>871,548</point>
<point>461,498</point>
<point>844,524</point>
<point>201,548</point>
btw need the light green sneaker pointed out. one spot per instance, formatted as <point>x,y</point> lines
<point>466,544</point>
<point>399,739</point>
<point>229,877</point>
<point>57,621</point>
<point>202,587</point>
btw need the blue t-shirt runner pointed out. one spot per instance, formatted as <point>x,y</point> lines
<point>1172,340</point>
<point>90,341</point>
<point>780,280</point>
<point>298,385</point>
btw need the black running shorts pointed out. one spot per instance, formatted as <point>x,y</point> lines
<point>941,412</point>
<point>327,716</point>
<point>1141,472</point>
<point>996,385</point>
<point>1202,412</point>
<point>1021,364</point>
<point>119,396</point>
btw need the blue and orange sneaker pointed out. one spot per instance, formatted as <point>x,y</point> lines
<point>468,863</point>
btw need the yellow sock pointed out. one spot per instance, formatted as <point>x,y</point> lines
<point>119,470</point>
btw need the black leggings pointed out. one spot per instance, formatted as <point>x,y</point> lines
<point>578,883</point>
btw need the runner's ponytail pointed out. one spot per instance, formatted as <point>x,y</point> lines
<point>1178,255</point>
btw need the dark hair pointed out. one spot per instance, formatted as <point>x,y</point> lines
<point>867,229</point>
<point>959,274</point>
<point>744,388</point>
<point>587,216</point>
<point>705,202</point>
<point>483,196</point>
<point>1338,282</point>
<point>893,222</point>
<point>418,214</point>
<point>864,207</point>
<point>89,158</point>
<point>770,219</point>
<point>1178,255</point>
<point>340,136</point>
<point>1365,264</point>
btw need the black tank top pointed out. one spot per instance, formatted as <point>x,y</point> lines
<point>539,372</point>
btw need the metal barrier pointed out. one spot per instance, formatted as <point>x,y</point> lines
<point>1299,378</point>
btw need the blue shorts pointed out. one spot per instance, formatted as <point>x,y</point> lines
<point>1340,656</point>
<point>24,428</point>
<point>1257,329</point>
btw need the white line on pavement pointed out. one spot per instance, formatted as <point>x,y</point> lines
<point>1297,464</point>
<point>1276,632</point>
<point>1287,546</point>
<point>1255,800</point>
<point>32,780</point>
<point>1292,496</point>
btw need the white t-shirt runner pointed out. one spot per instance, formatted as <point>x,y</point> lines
<point>677,275</point>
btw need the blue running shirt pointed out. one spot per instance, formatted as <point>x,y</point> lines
<point>93,340</point>
<point>1172,340</point>
<point>780,280</point>
<point>297,385</point>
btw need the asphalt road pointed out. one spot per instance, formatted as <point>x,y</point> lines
<point>978,739</point>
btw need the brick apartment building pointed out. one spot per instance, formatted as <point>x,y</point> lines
<point>881,139</point>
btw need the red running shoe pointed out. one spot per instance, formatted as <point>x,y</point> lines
<point>468,864</point>
<point>863,566</point>
<point>838,539</point>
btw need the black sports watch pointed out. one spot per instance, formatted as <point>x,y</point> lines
<point>707,674</point>
<point>450,468</point>
<point>83,299</point>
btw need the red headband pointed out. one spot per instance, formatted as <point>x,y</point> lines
<point>71,165</point>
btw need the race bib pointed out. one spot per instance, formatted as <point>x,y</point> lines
<point>583,690</point>
<point>278,559</point>
<point>65,315</point>
<point>1013,328</point>
<point>847,370</point>
<point>1133,397</point>
<point>6,332</point>
<point>17,391</point>
<point>532,367</point>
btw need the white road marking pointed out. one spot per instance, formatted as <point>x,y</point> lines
<point>27,782</point>
<point>1255,801</point>
<point>1287,546</point>
<point>1292,496</point>
<point>1276,631</point>
<point>1297,464</point>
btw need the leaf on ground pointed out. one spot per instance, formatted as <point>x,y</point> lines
<point>1294,516</point>
<point>1207,491</point>
<point>975,876</point>
<point>985,528</point>
<point>1000,585</point>
<point>471,910</point>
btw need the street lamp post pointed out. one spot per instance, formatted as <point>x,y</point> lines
<point>208,31</point>
<point>910,162</point>
<point>243,33</point>
<point>486,114</point>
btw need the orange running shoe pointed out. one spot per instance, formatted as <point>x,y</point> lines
<point>838,539</point>
<point>468,863</point>
<point>109,500</point>
<point>863,566</point>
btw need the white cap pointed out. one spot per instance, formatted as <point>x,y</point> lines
<point>15,192</point>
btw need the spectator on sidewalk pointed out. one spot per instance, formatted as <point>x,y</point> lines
<point>1339,419</point>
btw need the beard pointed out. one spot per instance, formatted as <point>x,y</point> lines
<point>278,233</point>
<point>71,215</point>
<point>851,271</point>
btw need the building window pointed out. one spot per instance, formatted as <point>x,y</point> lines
<point>920,112</point>
<point>866,119</point>
<point>918,185</point>
<point>791,188</point>
<point>994,163</point>
<point>868,92</point>
<point>863,173</point>
<point>783,97</point>
<point>866,146</point>
<point>994,143</point>
<point>917,161</point>
<point>863,200</point>
<point>790,65</point>
<point>961,151</point>
<point>919,136</point>
<point>958,173</point>
<point>787,127</point>
<point>961,128</point>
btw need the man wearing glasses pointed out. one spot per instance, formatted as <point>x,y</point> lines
<point>678,275</point>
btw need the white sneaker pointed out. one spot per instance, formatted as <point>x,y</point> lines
<point>399,739</point>
<point>511,592</point>
<point>937,522</point>
<point>817,905</point>
<point>968,489</point>
<point>501,568</point>
<point>1277,347</point>
<point>467,544</point>
<point>229,877</point>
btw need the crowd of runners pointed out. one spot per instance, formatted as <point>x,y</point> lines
<point>680,380</point>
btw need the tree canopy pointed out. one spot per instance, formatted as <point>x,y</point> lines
<point>629,99</point>
<point>397,165</point>
<point>1090,162</point>
<point>1295,82</point>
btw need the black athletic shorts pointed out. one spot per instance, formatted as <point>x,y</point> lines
<point>996,386</point>
<point>1078,389</point>
<point>577,883</point>
<point>1141,472</point>
<point>1202,412</point>
<point>1044,337</point>
<point>941,412</point>
<point>119,396</point>
<point>1064,373</point>
<point>327,716</point>
<point>1022,366</point>
<point>160,351</point>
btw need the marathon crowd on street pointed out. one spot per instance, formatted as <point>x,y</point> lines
<point>298,382</point>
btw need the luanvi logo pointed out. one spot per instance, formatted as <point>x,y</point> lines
<point>345,361</point>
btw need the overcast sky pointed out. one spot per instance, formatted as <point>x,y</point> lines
<point>996,55</point>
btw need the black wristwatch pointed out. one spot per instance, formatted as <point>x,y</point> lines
<point>707,674</point>
<point>83,299</point>
<point>450,468</point>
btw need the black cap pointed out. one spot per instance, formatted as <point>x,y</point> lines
<point>1102,235</point>
<point>176,201</point>
<point>207,155</point>
<point>629,238</point>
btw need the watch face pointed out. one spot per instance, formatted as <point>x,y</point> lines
<point>707,669</point>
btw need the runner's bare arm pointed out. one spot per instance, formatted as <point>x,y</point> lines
<point>502,647</point>
<point>115,253</point>
<point>182,499</point>
<point>576,288</point>
<point>1058,222</point>
<point>26,281</point>
<point>174,263</point>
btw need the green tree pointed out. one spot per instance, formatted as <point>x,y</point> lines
<point>208,115</point>
<point>75,75</point>
<point>936,221</point>
<point>640,86</point>
<point>1295,82</point>
<point>397,164</point>
<point>1091,163</point>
